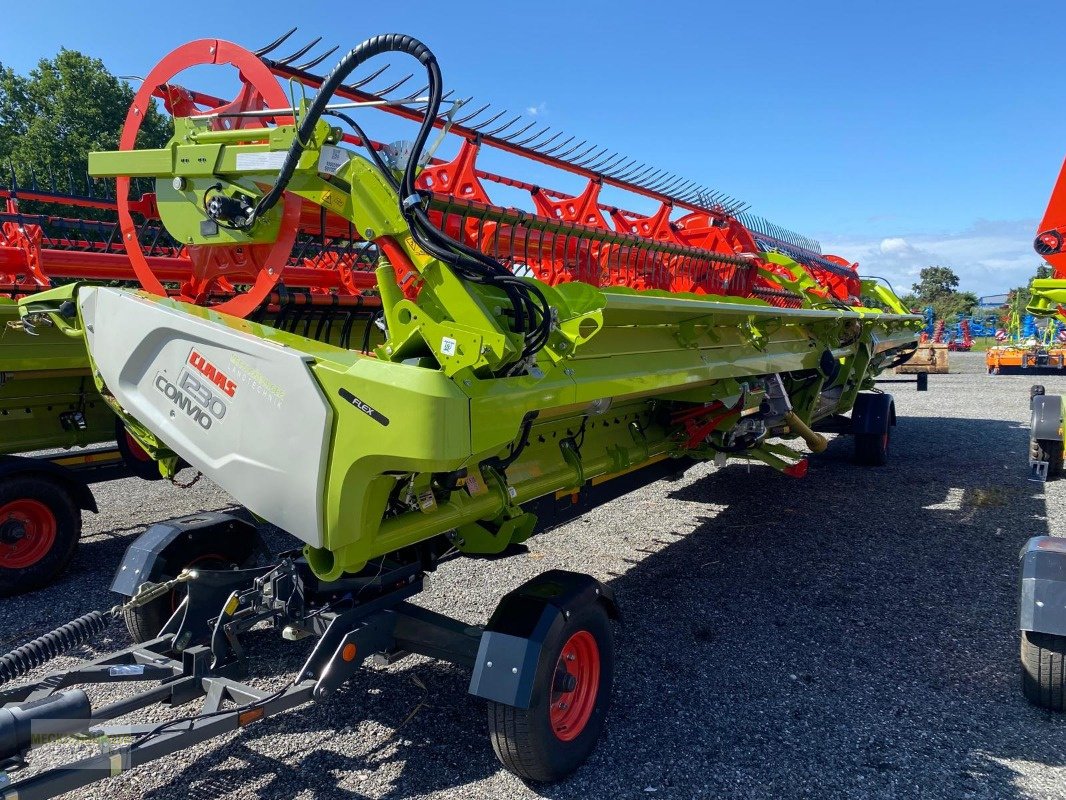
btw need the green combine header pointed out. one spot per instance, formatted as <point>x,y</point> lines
<point>493,372</point>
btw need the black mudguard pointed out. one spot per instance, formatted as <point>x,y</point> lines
<point>24,466</point>
<point>1046,422</point>
<point>158,551</point>
<point>528,621</point>
<point>1043,596</point>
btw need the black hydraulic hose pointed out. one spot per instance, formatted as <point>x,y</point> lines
<point>374,154</point>
<point>376,45</point>
<point>53,644</point>
<point>527,301</point>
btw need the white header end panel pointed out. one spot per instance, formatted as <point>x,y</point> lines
<point>242,410</point>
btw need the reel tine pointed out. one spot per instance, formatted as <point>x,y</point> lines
<point>511,136</point>
<point>395,86</point>
<point>665,180</point>
<point>623,173</point>
<point>299,53</point>
<point>536,135</point>
<point>314,62</point>
<point>274,45</point>
<point>672,187</point>
<point>469,117</point>
<point>585,161</point>
<point>648,177</point>
<point>363,82</point>
<point>536,147</point>
<point>502,127</point>
<point>411,97</point>
<point>574,159</point>
<point>557,147</point>
<point>421,107</point>
<point>562,156</point>
<point>632,173</point>
<point>597,167</point>
<point>678,190</point>
<point>477,128</point>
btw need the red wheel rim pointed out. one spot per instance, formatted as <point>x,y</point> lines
<point>136,451</point>
<point>212,265</point>
<point>575,685</point>
<point>27,533</point>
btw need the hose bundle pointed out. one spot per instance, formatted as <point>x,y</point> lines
<point>531,312</point>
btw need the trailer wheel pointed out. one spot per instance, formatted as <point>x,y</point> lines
<point>39,529</point>
<point>145,622</point>
<point>871,449</point>
<point>134,457</point>
<point>1044,670</point>
<point>571,695</point>
<point>1050,451</point>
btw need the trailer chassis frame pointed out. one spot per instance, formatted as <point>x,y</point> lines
<point>198,655</point>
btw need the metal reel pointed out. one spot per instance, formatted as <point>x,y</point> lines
<point>215,268</point>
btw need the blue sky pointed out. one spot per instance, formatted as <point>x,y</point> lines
<point>899,134</point>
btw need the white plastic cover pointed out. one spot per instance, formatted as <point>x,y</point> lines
<point>244,411</point>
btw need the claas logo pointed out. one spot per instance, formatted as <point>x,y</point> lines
<point>212,373</point>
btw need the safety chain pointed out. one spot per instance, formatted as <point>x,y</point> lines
<point>190,484</point>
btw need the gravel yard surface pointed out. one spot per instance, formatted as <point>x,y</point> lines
<point>851,634</point>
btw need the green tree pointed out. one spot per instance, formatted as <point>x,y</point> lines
<point>938,287</point>
<point>935,283</point>
<point>66,107</point>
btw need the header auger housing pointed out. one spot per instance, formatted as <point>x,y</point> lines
<point>516,367</point>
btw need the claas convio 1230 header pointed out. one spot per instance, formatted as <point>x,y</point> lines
<point>486,372</point>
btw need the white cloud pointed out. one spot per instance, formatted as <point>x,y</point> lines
<point>537,110</point>
<point>990,257</point>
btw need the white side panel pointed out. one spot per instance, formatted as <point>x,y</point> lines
<point>242,410</point>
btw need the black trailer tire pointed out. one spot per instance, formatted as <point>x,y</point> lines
<point>1044,670</point>
<point>553,737</point>
<point>1050,451</point>
<point>40,525</point>
<point>146,621</point>
<point>136,460</point>
<point>871,449</point>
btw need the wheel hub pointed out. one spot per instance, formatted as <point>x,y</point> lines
<point>27,533</point>
<point>12,530</point>
<point>575,686</point>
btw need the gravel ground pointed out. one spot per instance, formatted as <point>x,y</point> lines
<point>850,635</point>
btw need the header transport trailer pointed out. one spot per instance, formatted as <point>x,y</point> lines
<point>519,367</point>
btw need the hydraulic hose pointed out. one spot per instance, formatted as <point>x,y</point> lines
<point>53,644</point>
<point>376,45</point>
<point>531,312</point>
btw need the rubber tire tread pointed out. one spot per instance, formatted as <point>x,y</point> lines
<point>1043,657</point>
<point>869,451</point>
<point>522,738</point>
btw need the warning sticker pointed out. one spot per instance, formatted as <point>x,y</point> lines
<point>247,162</point>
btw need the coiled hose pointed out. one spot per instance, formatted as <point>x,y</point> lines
<point>53,644</point>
